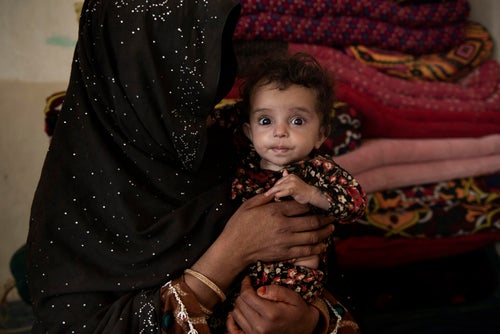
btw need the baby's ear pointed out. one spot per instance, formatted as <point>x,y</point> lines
<point>247,130</point>
<point>324,132</point>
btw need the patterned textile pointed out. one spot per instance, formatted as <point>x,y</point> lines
<point>432,14</point>
<point>446,66</point>
<point>451,208</point>
<point>345,135</point>
<point>306,282</point>
<point>397,108</point>
<point>347,203</point>
<point>371,23</point>
<point>478,91</point>
<point>342,191</point>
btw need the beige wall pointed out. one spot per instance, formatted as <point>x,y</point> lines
<point>487,12</point>
<point>37,39</point>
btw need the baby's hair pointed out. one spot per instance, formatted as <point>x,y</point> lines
<point>298,69</point>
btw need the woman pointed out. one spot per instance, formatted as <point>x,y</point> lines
<point>134,189</point>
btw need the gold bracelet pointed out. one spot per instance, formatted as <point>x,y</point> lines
<point>205,280</point>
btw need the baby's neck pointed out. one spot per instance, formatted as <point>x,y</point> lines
<point>275,168</point>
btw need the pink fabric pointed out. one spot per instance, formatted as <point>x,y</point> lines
<point>397,176</point>
<point>409,15</point>
<point>380,120</point>
<point>413,28</point>
<point>381,164</point>
<point>380,152</point>
<point>482,84</point>
<point>393,107</point>
<point>353,30</point>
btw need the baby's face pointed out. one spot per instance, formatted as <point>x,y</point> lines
<point>284,125</point>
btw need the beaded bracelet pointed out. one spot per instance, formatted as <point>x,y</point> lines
<point>205,280</point>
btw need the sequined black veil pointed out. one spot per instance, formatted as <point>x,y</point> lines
<point>133,186</point>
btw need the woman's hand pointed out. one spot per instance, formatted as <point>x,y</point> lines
<point>272,309</point>
<point>260,230</point>
<point>274,231</point>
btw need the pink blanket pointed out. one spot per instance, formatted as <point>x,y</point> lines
<point>381,164</point>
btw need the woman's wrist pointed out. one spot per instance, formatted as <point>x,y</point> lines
<point>220,265</point>
<point>324,316</point>
<point>206,297</point>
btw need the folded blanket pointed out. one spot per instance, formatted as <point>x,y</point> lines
<point>478,92</point>
<point>412,15</point>
<point>479,84</point>
<point>391,177</point>
<point>376,153</point>
<point>423,103</point>
<point>382,164</point>
<point>462,206</point>
<point>393,107</point>
<point>382,121</point>
<point>446,66</point>
<point>344,31</point>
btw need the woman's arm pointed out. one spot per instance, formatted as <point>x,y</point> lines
<point>258,230</point>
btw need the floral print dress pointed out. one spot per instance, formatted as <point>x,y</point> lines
<point>347,203</point>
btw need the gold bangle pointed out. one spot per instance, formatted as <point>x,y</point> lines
<point>205,280</point>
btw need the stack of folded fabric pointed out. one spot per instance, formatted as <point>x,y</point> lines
<point>420,28</point>
<point>426,94</point>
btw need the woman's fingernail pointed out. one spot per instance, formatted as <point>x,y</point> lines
<point>261,291</point>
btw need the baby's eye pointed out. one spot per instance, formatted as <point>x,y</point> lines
<point>264,121</point>
<point>297,121</point>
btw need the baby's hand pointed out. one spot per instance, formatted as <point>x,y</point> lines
<point>309,262</point>
<point>292,185</point>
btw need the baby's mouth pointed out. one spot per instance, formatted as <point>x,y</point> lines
<point>280,149</point>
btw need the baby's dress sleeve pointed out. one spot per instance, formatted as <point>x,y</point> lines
<point>345,195</point>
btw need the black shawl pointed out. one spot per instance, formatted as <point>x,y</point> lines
<point>133,188</point>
